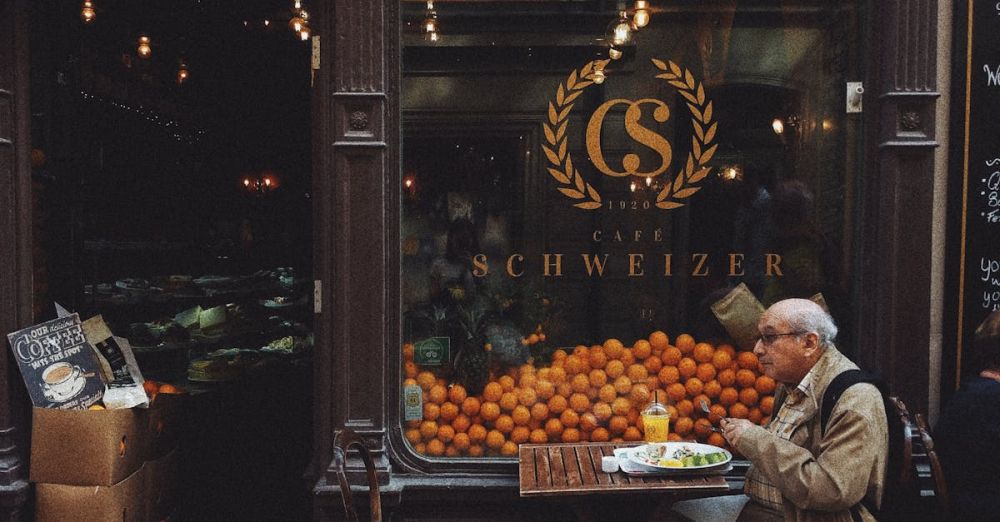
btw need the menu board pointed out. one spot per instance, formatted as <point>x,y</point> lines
<point>979,273</point>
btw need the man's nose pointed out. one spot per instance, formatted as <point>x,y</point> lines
<point>758,347</point>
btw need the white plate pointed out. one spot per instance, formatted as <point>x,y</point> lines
<point>648,455</point>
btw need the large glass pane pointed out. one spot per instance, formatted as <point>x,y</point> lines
<point>592,211</point>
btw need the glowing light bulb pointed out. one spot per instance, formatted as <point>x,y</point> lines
<point>620,31</point>
<point>599,75</point>
<point>778,126</point>
<point>246,182</point>
<point>827,124</point>
<point>649,180</point>
<point>87,13</point>
<point>296,23</point>
<point>614,53</point>
<point>144,48</point>
<point>304,33</point>
<point>632,186</point>
<point>182,73</point>
<point>641,16</point>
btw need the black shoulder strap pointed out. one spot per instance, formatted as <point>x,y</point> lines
<point>838,386</point>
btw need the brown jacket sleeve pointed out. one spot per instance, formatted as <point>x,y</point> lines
<point>836,477</point>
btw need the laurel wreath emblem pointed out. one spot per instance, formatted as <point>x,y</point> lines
<point>684,184</point>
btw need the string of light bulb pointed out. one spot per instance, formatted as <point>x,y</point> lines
<point>621,31</point>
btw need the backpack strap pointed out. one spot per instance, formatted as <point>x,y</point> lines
<point>838,386</point>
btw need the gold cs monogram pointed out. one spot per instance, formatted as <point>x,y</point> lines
<point>639,133</point>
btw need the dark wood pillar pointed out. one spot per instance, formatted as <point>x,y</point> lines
<point>357,259</point>
<point>896,255</point>
<point>15,249</point>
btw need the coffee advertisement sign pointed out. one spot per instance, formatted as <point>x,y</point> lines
<point>59,367</point>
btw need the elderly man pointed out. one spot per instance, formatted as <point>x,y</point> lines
<point>800,472</point>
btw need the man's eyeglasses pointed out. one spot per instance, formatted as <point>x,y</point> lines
<point>767,339</point>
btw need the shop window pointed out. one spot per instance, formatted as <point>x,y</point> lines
<point>587,224</point>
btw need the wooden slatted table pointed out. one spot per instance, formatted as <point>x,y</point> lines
<point>575,469</point>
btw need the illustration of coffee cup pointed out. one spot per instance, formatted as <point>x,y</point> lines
<point>61,381</point>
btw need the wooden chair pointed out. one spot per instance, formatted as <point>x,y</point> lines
<point>343,442</point>
<point>933,467</point>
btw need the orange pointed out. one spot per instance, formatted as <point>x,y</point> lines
<point>683,426</point>
<point>428,429</point>
<point>449,412</point>
<point>745,379</point>
<point>410,382</point>
<point>470,406</point>
<point>574,365</point>
<point>461,423</point>
<point>504,424</point>
<point>558,375</point>
<point>716,439</point>
<point>653,365</point>
<point>528,380</point>
<point>702,428</point>
<point>588,421</point>
<point>538,436</point>
<point>687,367</point>
<point>673,437</point>
<point>527,397</point>
<point>477,434</point>
<point>413,436</point>
<point>492,392</point>
<point>580,383</point>
<point>557,404</point>
<point>676,392</point>
<point>628,358</point>
<point>607,393</point>
<point>705,372</point>
<point>765,385</point>
<point>623,385</point>
<point>721,359</point>
<point>520,435</point>
<point>494,439</point>
<point>716,413</point>
<point>767,405</point>
<point>747,360</point>
<point>490,411</point>
<point>437,394</point>
<point>712,389</point>
<point>445,433</point>
<point>476,450</point>
<point>748,396</point>
<point>728,396</point>
<point>697,404</point>
<point>435,448</point>
<point>431,411</point>
<point>766,420</point>
<point>545,390</point>
<point>598,378</point>
<point>508,401</point>
<point>739,411</point>
<point>457,394</point>
<point>410,369</point>
<point>755,415</point>
<point>728,349</point>
<point>425,379</point>
<point>620,406</point>
<point>642,349</point>
<point>408,351</point>
<point>727,377</point>
<point>693,386</point>
<point>685,408</point>
<point>640,395</point>
<point>685,343</point>
<point>614,348</point>
<point>672,411</point>
<point>632,434</point>
<point>637,373</point>
<point>671,356</point>
<point>571,435</point>
<point>603,411</point>
<point>521,415</point>
<point>659,340</point>
<point>579,402</point>
<point>703,352</point>
<point>633,416</point>
<point>451,451</point>
<point>559,355</point>
<point>506,382</point>
<point>421,448</point>
<point>569,419</point>
<point>668,375</point>
<point>617,424</point>
<point>614,369</point>
<point>598,359</point>
<point>509,448</point>
<point>461,441</point>
<point>553,428</point>
<point>539,411</point>
<point>600,435</point>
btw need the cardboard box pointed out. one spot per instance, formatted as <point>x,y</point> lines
<point>87,447</point>
<point>161,487</point>
<point>165,422</point>
<point>122,501</point>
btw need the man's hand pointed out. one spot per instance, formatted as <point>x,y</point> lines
<point>732,429</point>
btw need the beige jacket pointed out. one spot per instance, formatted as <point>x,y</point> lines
<point>821,477</point>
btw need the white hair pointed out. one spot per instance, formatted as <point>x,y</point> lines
<point>807,316</point>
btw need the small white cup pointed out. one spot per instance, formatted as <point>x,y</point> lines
<point>609,464</point>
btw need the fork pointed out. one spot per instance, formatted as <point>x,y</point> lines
<point>704,408</point>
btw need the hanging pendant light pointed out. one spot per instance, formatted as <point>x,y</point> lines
<point>641,17</point>
<point>87,13</point>
<point>144,48</point>
<point>182,73</point>
<point>430,23</point>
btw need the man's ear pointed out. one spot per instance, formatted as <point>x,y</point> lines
<point>813,345</point>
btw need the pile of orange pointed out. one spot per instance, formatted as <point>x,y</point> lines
<point>591,393</point>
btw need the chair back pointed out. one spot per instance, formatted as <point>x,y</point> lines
<point>343,442</point>
<point>933,466</point>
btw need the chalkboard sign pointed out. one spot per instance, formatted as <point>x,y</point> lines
<point>979,114</point>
